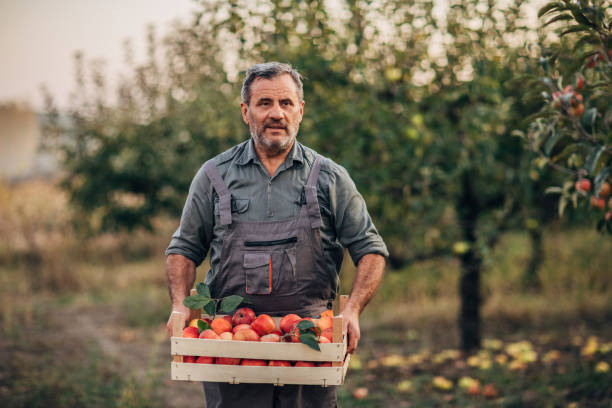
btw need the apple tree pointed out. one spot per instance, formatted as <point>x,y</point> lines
<point>571,131</point>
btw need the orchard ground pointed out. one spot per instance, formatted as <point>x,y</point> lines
<point>83,322</point>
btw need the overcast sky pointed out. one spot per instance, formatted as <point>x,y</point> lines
<point>38,39</point>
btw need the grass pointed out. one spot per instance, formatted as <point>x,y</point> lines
<point>82,322</point>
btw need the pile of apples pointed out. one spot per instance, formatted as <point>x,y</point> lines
<point>244,325</point>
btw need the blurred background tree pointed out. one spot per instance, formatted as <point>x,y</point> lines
<point>417,102</point>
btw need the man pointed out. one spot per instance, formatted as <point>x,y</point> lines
<point>276,217</point>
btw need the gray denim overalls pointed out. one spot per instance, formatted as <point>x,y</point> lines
<point>278,267</point>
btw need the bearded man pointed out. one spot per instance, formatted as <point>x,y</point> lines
<point>276,217</point>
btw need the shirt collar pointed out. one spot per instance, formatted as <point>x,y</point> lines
<point>248,155</point>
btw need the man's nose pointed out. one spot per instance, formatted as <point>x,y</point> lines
<point>276,112</point>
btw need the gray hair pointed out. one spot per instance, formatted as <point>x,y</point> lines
<point>270,70</point>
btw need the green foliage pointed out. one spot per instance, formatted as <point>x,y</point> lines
<point>571,132</point>
<point>203,300</point>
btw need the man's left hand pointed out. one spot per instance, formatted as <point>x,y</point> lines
<point>351,320</point>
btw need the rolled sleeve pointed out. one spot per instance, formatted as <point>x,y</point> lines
<point>193,237</point>
<point>354,227</point>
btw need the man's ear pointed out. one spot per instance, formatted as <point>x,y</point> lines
<point>244,108</point>
<point>302,103</point>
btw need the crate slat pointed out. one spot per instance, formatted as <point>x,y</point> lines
<point>256,350</point>
<point>323,376</point>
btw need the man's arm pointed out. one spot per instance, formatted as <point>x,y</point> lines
<point>181,273</point>
<point>369,274</point>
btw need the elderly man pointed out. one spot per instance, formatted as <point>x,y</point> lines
<point>276,217</point>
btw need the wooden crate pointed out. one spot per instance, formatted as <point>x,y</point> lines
<point>236,374</point>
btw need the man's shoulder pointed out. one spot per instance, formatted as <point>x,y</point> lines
<point>223,160</point>
<point>332,171</point>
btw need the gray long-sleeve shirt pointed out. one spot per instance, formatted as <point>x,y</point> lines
<point>258,197</point>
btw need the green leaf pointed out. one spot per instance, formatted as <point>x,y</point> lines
<point>550,7</point>
<point>601,177</point>
<point>203,289</point>
<point>593,158</point>
<point>304,325</point>
<point>588,119</point>
<point>310,340</point>
<point>202,325</point>
<point>210,308</point>
<point>196,301</point>
<point>552,141</point>
<point>553,190</point>
<point>559,17</point>
<point>574,29</point>
<point>230,303</point>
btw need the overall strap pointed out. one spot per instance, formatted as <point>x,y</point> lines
<point>312,203</point>
<point>225,198</point>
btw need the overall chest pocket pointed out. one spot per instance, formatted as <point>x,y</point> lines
<point>270,270</point>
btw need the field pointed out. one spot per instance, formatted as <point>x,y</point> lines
<point>83,321</point>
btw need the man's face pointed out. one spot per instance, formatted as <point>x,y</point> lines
<point>274,113</point>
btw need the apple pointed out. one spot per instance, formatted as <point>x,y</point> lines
<point>272,337</point>
<point>287,322</point>
<point>220,325</point>
<point>328,312</point>
<point>277,332</point>
<point>209,334</point>
<point>323,339</point>
<point>226,336</point>
<point>244,315</point>
<point>328,333</point>
<point>227,361</point>
<point>251,362</point>
<point>324,364</point>
<point>583,185</point>
<point>246,335</point>
<point>490,391</point>
<point>191,332</point>
<point>240,327</point>
<point>324,323</point>
<point>205,360</point>
<point>304,364</point>
<point>189,359</point>
<point>597,202</point>
<point>263,324</point>
<point>279,363</point>
<point>604,191</point>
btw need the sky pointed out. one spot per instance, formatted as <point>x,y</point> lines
<point>38,39</point>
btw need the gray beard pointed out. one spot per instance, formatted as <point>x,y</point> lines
<point>273,147</point>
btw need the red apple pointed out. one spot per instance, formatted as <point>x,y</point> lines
<point>250,362</point>
<point>205,360</point>
<point>240,327</point>
<point>279,363</point>
<point>323,339</point>
<point>324,364</point>
<point>227,361</point>
<point>244,315</point>
<point>304,364</point>
<point>189,359</point>
<point>246,335</point>
<point>226,336</point>
<point>287,322</point>
<point>272,337</point>
<point>191,332</point>
<point>209,334</point>
<point>328,333</point>
<point>263,324</point>
<point>221,324</point>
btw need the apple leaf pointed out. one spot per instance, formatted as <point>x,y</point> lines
<point>196,301</point>
<point>310,340</point>
<point>304,325</point>
<point>202,325</point>
<point>230,303</point>
<point>210,308</point>
<point>203,289</point>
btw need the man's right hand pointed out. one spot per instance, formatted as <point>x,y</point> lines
<point>181,308</point>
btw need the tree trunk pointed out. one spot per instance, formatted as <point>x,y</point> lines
<point>471,262</point>
<point>531,279</point>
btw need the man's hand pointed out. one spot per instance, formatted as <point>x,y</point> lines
<point>351,319</point>
<point>184,310</point>
<point>369,273</point>
<point>180,272</point>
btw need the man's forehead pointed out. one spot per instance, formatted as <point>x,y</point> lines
<point>278,86</point>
